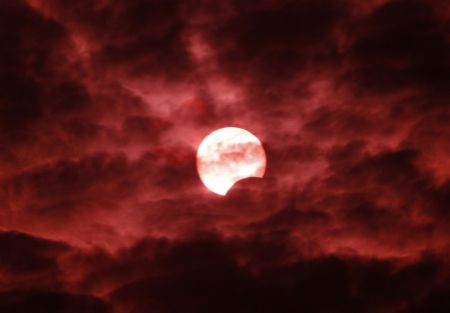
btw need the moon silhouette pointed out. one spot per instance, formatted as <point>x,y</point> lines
<point>228,155</point>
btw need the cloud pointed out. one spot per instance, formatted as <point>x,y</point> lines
<point>39,301</point>
<point>206,271</point>
<point>30,261</point>
<point>275,43</point>
<point>393,53</point>
<point>140,38</point>
<point>104,104</point>
<point>202,275</point>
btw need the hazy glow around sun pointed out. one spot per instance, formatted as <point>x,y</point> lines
<point>228,155</point>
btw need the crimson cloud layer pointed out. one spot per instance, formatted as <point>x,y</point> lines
<point>103,104</point>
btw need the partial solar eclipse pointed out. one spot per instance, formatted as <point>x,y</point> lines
<point>228,155</point>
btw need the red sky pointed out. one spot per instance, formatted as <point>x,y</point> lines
<point>103,104</point>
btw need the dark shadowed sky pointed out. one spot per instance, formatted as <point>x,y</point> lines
<point>104,103</point>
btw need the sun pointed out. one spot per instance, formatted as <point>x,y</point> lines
<point>228,155</point>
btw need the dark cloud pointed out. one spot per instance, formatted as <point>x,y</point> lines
<point>202,275</point>
<point>206,271</point>
<point>49,189</point>
<point>30,262</point>
<point>69,97</point>
<point>139,37</point>
<point>57,302</point>
<point>392,53</point>
<point>28,42</point>
<point>277,42</point>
